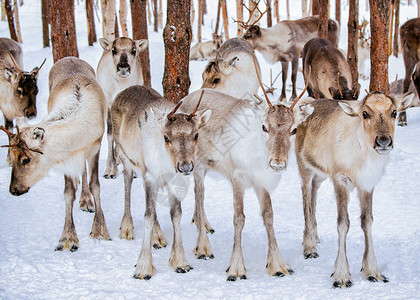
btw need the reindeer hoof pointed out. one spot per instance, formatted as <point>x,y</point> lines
<point>147,277</point>
<point>243,277</point>
<point>231,278</point>
<point>156,246</point>
<point>74,248</point>
<point>279,274</point>
<point>59,247</point>
<point>211,230</point>
<point>180,270</point>
<point>311,255</point>
<point>337,284</point>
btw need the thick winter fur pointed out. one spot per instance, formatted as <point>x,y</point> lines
<point>160,147</point>
<point>327,72</point>
<point>397,92</point>
<point>17,92</point>
<point>64,140</point>
<point>204,50</point>
<point>410,44</point>
<point>348,142</point>
<point>249,144</point>
<point>284,42</point>
<point>118,69</point>
<point>233,72</point>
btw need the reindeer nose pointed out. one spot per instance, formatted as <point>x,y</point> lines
<point>31,115</point>
<point>15,192</point>
<point>277,165</point>
<point>185,168</point>
<point>383,142</point>
<point>123,71</point>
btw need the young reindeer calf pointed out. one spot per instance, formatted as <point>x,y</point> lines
<point>65,139</point>
<point>348,142</point>
<point>160,144</point>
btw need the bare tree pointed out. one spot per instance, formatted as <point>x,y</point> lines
<point>304,8</point>
<point>103,12</point>
<point>379,28</point>
<point>200,19</point>
<point>315,7</point>
<point>177,38</point>
<point>239,15</point>
<point>17,22</point>
<point>116,32</point>
<point>225,18</point>
<point>109,30</point>
<point>45,23</point>
<point>219,7</point>
<point>353,38</point>
<point>397,26</point>
<point>90,22</point>
<point>338,11</point>
<point>323,18</point>
<point>160,14</point>
<point>63,29</point>
<point>155,16</point>
<point>3,11</point>
<point>139,20</point>
<point>288,9</point>
<point>418,8</point>
<point>391,27</point>
<point>10,20</point>
<point>123,18</point>
<point>269,15</point>
<point>276,10</point>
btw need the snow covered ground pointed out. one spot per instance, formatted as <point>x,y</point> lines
<point>31,225</point>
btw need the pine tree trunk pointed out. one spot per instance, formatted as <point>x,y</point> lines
<point>200,20</point>
<point>17,22</point>
<point>315,7</point>
<point>225,19</point>
<point>304,8</point>
<point>10,20</point>
<point>149,14</point>
<point>276,10</point>
<point>109,32</point>
<point>3,11</point>
<point>239,15</point>
<point>219,7</point>
<point>352,45</point>
<point>269,15</point>
<point>139,20</point>
<point>116,31</point>
<point>338,11</point>
<point>379,28</point>
<point>123,18</point>
<point>160,14</point>
<point>90,22</point>
<point>103,12</point>
<point>397,26</point>
<point>155,16</point>
<point>177,38</point>
<point>63,29</point>
<point>323,18</point>
<point>391,27</point>
<point>288,9</point>
<point>204,8</point>
<point>45,23</point>
<point>418,8</point>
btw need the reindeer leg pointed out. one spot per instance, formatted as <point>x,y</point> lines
<point>111,164</point>
<point>158,238</point>
<point>402,118</point>
<point>284,71</point>
<point>237,266</point>
<point>316,183</point>
<point>202,249</point>
<point>341,273</point>
<point>69,238</point>
<point>369,266</point>
<point>127,227</point>
<point>177,260</point>
<point>409,63</point>
<point>85,202</point>
<point>99,230</point>
<point>295,66</point>
<point>276,266</point>
<point>144,267</point>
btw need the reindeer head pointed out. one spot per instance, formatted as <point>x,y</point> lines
<point>180,135</point>
<point>217,73</point>
<point>29,165</point>
<point>342,91</point>
<point>25,89</point>
<point>377,112</point>
<point>124,53</point>
<point>217,41</point>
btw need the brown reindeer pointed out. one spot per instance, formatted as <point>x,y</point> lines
<point>348,142</point>
<point>410,44</point>
<point>330,76</point>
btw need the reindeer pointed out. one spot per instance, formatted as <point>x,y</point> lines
<point>204,50</point>
<point>118,68</point>
<point>410,44</point>
<point>349,142</point>
<point>232,69</point>
<point>161,144</point>
<point>18,89</point>
<point>62,141</point>
<point>248,143</point>
<point>330,77</point>
<point>284,42</point>
<point>397,92</point>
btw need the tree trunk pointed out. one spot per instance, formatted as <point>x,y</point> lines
<point>418,8</point>
<point>109,32</point>
<point>276,10</point>
<point>269,16</point>
<point>288,9</point>
<point>116,31</point>
<point>204,8</point>
<point>3,11</point>
<point>149,14</point>
<point>17,22</point>
<point>103,11</point>
<point>323,18</point>
<point>139,19</point>
<point>123,18</point>
<point>239,15</point>
<point>219,7</point>
<point>155,16</point>
<point>10,20</point>
<point>63,29</point>
<point>353,37</point>
<point>315,7</point>
<point>391,27</point>
<point>90,22</point>
<point>160,14</point>
<point>200,20</point>
<point>379,27</point>
<point>45,23</point>
<point>177,38</point>
<point>397,26</point>
<point>304,7</point>
<point>225,18</point>
<point>338,11</point>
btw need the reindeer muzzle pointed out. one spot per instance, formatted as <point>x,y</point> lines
<point>18,191</point>
<point>277,166</point>
<point>383,144</point>
<point>185,168</point>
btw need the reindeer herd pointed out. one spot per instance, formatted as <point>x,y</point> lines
<point>335,136</point>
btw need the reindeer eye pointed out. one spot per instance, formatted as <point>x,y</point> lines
<point>26,161</point>
<point>293,131</point>
<point>196,137</point>
<point>19,91</point>
<point>133,52</point>
<point>365,115</point>
<point>216,80</point>
<point>264,128</point>
<point>114,51</point>
<point>394,114</point>
<point>166,139</point>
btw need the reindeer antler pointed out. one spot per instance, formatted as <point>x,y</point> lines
<point>261,85</point>
<point>40,66</point>
<point>338,83</point>
<point>355,91</point>
<point>13,60</point>
<point>170,115</point>
<point>303,92</point>
<point>395,82</point>
<point>11,135</point>
<point>20,142</point>
<point>198,104</point>
<point>246,24</point>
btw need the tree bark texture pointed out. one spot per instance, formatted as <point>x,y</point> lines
<point>109,32</point>
<point>397,26</point>
<point>276,10</point>
<point>155,16</point>
<point>225,19</point>
<point>139,20</point>
<point>160,14</point>
<point>200,20</point>
<point>353,39</point>
<point>315,7</point>
<point>45,23</point>
<point>219,7</point>
<point>10,20</point>
<point>288,9</point>
<point>3,10</point>
<point>379,28</point>
<point>123,18</point>
<point>116,31</point>
<point>239,15</point>
<point>103,12</point>
<point>269,14</point>
<point>17,21</point>
<point>338,11</point>
<point>63,29</point>
<point>323,18</point>
<point>304,8</point>
<point>90,22</point>
<point>177,38</point>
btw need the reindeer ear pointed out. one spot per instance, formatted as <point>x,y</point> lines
<point>156,113</point>
<point>255,29</point>
<point>228,67</point>
<point>141,45</point>
<point>104,44</point>
<point>11,76</point>
<point>350,109</point>
<point>202,117</point>
<point>38,134</point>
<point>34,72</point>
<point>405,101</point>
<point>302,112</point>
